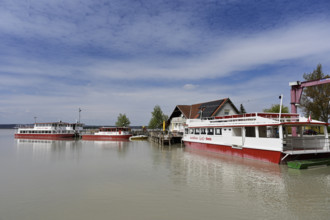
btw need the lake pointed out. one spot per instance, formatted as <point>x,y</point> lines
<point>42,179</point>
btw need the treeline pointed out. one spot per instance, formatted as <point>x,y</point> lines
<point>8,126</point>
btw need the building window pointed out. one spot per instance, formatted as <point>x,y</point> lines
<point>227,111</point>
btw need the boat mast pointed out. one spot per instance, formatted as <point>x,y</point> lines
<point>79,115</point>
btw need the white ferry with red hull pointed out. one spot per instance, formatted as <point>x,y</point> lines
<point>268,137</point>
<point>51,130</point>
<point>109,133</point>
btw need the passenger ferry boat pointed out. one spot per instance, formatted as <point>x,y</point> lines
<point>51,130</point>
<point>269,137</point>
<point>109,133</point>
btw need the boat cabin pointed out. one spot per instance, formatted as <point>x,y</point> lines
<point>113,131</point>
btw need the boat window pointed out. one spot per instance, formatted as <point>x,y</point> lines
<point>196,130</point>
<point>186,130</point>
<point>250,132</point>
<point>203,130</point>
<point>268,132</point>
<point>218,131</point>
<point>237,132</point>
<point>210,131</point>
<point>191,131</point>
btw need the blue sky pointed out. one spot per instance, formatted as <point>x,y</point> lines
<point>126,56</point>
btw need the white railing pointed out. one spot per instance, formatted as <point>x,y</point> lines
<point>306,143</point>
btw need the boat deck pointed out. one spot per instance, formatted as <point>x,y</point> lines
<point>296,152</point>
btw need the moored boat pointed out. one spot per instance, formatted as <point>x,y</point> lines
<point>270,137</point>
<point>51,130</point>
<point>138,138</point>
<point>109,133</point>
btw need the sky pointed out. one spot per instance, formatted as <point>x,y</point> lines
<point>108,57</point>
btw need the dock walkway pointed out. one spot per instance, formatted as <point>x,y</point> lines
<point>163,138</point>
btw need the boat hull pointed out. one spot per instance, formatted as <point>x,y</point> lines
<point>45,136</point>
<point>256,154</point>
<point>105,137</point>
<point>138,138</point>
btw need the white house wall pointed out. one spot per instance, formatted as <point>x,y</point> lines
<point>229,107</point>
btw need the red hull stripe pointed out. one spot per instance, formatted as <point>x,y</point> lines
<point>44,136</point>
<point>106,137</point>
<point>263,155</point>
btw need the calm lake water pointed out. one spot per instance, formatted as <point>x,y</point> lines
<point>140,180</point>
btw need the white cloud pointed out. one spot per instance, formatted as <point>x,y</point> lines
<point>238,54</point>
<point>190,86</point>
<point>139,48</point>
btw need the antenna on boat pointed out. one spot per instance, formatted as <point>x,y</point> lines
<point>35,119</point>
<point>79,116</point>
<point>279,115</point>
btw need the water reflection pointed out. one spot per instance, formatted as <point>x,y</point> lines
<point>268,187</point>
<point>42,148</point>
<point>121,146</point>
<point>152,179</point>
<point>204,171</point>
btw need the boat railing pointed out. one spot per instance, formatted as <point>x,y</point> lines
<point>317,143</point>
<point>25,126</point>
<point>253,118</point>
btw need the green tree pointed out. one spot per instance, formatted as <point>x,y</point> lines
<point>276,109</point>
<point>315,100</point>
<point>122,121</point>
<point>157,118</point>
<point>242,109</point>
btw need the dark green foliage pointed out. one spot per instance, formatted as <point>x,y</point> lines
<point>316,99</point>
<point>122,121</point>
<point>157,118</point>
<point>276,109</point>
<point>242,109</point>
